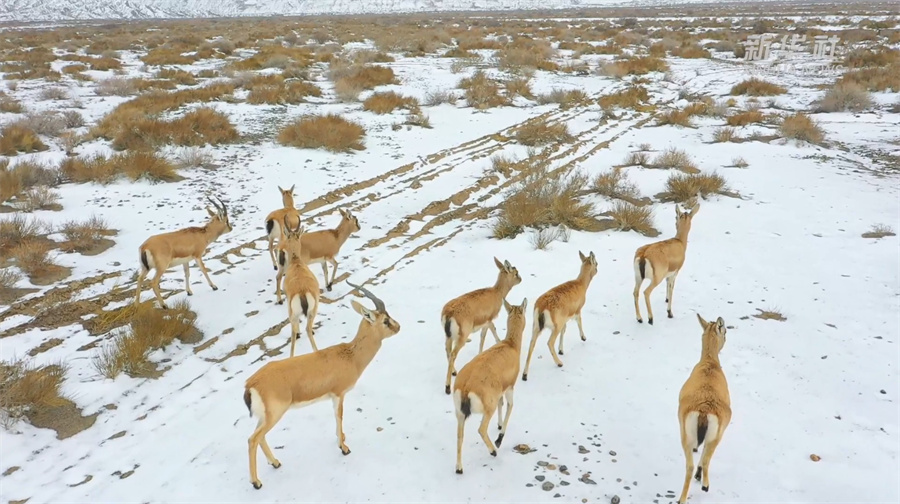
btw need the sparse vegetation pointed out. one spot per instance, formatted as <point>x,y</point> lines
<point>10,105</point>
<point>537,133</point>
<point>746,117</point>
<point>634,66</point>
<point>739,162</point>
<point>40,198</point>
<point>331,132</point>
<point>17,230</point>
<point>482,92</point>
<point>637,159</point>
<point>104,170</point>
<point>16,138</point>
<point>566,98</point>
<point>879,231</point>
<point>673,158</point>
<point>615,184</point>
<point>633,97</point>
<point>545,199</point>
<point>8,278</point>
<point>33,258</point>
<point>681,187</point>
<point>845,96</point>
<point>387,102</point>
<point>875,78</point>
<point>770,314</point>
<point>352,79</point>
<point>802,128</point>
<point>757,87</point>
<point>435,98</point>
<point>149,329</point>
<point>83,236</point>
<point>27,389</point>
<point>725,134</point>
<point>631,217</point>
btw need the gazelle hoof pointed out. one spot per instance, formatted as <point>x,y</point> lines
<point>698,474</point>
<point>650,321</point>
<point>458,470</point>
<point>275,268</point>
<point>705,489</point>
<point>559,364</point>
<point>276,464</point>
<point>494,453</point>
<point>640,321</point>
<point>499,440</point>
<point>189,293</point>
<point>215,288</point>
<point>257,485</point>
<point>345,452</point>
<point>524,376</point>
<point>447,389</point>
<point>328,287</point>
<point>670,315</point>
<point>560,352</point>
<point>453,373</point>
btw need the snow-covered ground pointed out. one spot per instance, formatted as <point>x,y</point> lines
<point>822,382</point>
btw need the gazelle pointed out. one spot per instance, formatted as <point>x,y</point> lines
<point>704,405</point>
<point>295,382</point>
<point>164,250</point>
<point>557,306</point>
<point>662,260</point>
<point>486,380</point>
<point>276,217</point>
<point>301,287</point>
<point>475,310</point>
<point>324,245</point>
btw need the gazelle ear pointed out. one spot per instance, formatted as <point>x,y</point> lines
<point>703,323</point>
<point>292,187</point>
<point>593,259</point>
<point>211,212</point>
<point>581,256</point>
<point>696,208</point>
<point>498,263</point>
<point>507,266</point>
<point>280,189</point>
<point>677,211</point>
<point>362,310</point>
<point>524,304</point>
<point>720,322</point>
<point>507,306</point>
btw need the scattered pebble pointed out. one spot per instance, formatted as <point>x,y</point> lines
<point>521,448</point>
<point>529,485</point>
<point>615,500</point>
<point>379,429</point>
<point>563,468</point>
<point>582,450</point>
<point>547,486</point>
<point>815,458</point>
<point>551,467</point>
<point>543,463</point>
<point>563,483</point>
<point>556,496</point>
<point>586,478</point>
<point>883,392</point>
<point>612,453</point>
<point>540,477</point>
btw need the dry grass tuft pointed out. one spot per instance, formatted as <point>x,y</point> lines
<point>543,199</point>
<point>634,66</point>
<point>387,102</point>
<point>104,170</point>
<point>331,132</point>
<point>634,97</point>
<point>615,184</point>
<point>527,53</point>
<point>46,122</point>
<point>148,330</point>
<point>17,230</point>
<point>682,187</point>
<point>16,138</point>
<point>690,50</point>
<point>482,92</point>
<point>33,258</point>
<point>746,117</point>
<point>518,87</point>
<point>435,98</point>
<point>726,134</point>
<point>565,98</point>
<point>539,132</point>
<point>350,80</point>
<point>881,57</point>
<point>282,93</point>
<point>875,78</point>
<point>757,87</point>
<point>674,117</point>
<point>40,198</point>
<point>631,217</point>
<point>739,162</point>
<point>845,96</point>
<point>28,389</point>
<point>53,93</point>
<point>879,231</point>
<point>802,128</point>
<point>637,159</point>
<point>10,105</point>
<point>8,278</point>
<point>542,238</point>
<point>673,158</point>
<point>770,314</point>
<point>418,118</point>
<point>84,236</point>
<point>23,176</point>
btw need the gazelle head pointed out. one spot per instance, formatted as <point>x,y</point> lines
<point>292,236</point>
<point>715,330</point>
<point>349,220</point>
<point>588,264</point>
<point>379,320</point>
<point>683,219</point>
<point>515,319</point>
<point>287,196</point>
<point>509,274</point>
<point>218,216</point>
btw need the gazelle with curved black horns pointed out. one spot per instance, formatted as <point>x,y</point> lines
<point>662,260</point>
<point>329,373</point>
<point>704,405</point>
<point>301,287</point>
<point>324,245</point>
<point>274,229</point>
<point>475,310</point>
<point>162,251</point>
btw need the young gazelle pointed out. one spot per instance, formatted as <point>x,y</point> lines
<point>275,218</point>
<point>557,306</point>
<point>486,380</point>
<point>475,310</point>
<point>662,260</point>
<point>324,245</point>
<point>301,287</point>
<point>704,406</point>
<point>329,373</point>
<point>164,250</point>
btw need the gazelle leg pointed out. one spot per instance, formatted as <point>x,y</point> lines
<point>535,331</point>
<point>483,430</point>
<point>562,334</point>
<point>295,326</point>
<point>140,283</point>
<point>670,288</point>
<point>325,272</point>
<point>460,430</point>
<point>339,419</point>
<point>484,331</point>
<point>187,279</point>
<point>460,341</point>
<point>500,413</point>
<point>508,394</point>
<point>155,285</point>
<point>637,290</point>
<point>580,327</point>
<point>334,265</point>
<point>688,463</point>
<point>271,238</point>
<point>709,447</point>
<point>259,438</point>
<point>553,335</point>
<point>494,331</point>
<point>310,318</point>
<point>653,283</point>
<point>199,261</point>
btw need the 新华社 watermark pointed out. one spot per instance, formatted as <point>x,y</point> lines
<point>818,55</point>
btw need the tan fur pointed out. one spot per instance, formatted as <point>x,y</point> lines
<point>277,217</point>
<point>299,285</point>
<point>559,305</point>
<point>297,381</point>
<point>662,260</point>
<point>323,246</point>
<point>475,310</point>
<point>174,248</point>
<point>704,394</point>
<point>487,379</point>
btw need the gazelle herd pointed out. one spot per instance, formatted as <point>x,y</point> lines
<point>482,385</point>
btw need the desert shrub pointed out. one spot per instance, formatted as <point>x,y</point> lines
<point>690,50</point>
<point>845,96</point>
<point>360,77</point>
<point>482,92</point>
<point>167,56</point>
<point>179,76</point>
<point>200,126</point>
<point>10,105</point>
<point>633,66</point>
<point>739,162</point>
<point>9,277</point>
<point>631,217</point>
<point>105,63</point>
<point>84,235</point>
<point>881,57</point>
<point>879,231</point>
<point>633,97</point>
<point>518,87</point>
<point>46,122</point>
<point>682,187</point>
<point>527,53</point>
<point>875,78</point>
<point>331,132</point>
<point>757,87</point>
<point>387,102</point>
<point>194,157</point>
<point>418,118</point>
<point>27,389</point>
<point>725,134</point>
<point>149,329</point>
<point>16,138</point>
<point>803,128</point>
<point>744,118</point>
<point>33,258</point>
<point>435,98</point>
<point>17,230</point>
<point>539,132</point>
<point>566,98</point>
<point>135,165</point>
<point>40,198</point>
<point>544,199</point>
<point>637,159</point>
<point>285,93</point>
<point>117,86</point>
<point>673,158</point>
<point>615,184</point>
<point>674,117</point>
<point>54,93</point>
